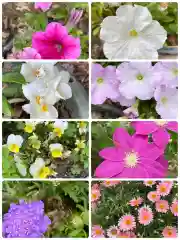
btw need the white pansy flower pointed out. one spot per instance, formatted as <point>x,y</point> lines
<point>132,34</point>
<point>29,126</point>
<point>38,71</point>
<point>39,170</point>
<point>167,102</point>
<point>59,127</point>
<point>61,87</point>
<point>21,167</point>
<point>82,127</point>
<point>14,143</point>
<point>66,154</point>
<point>41,101</point>
<point>56,150</point>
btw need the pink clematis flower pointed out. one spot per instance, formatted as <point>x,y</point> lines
<point>131,157</point>
<point>158,129</point>
<point>44,6</point>
<point>29,53</point>
<point>55,43</point>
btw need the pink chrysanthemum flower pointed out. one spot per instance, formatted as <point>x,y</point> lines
<point>112,232</point>
<point>162,206</point>
<point>153,196</point>
<point>169,232</point>
<point>174,208</point>
<point>95,195</point>
<point>97,231</point>
<point>164,188</point>
<point>126,234</point>
<point>93,206</point>
<point>110,183</point>
<point>95,186</point>
<point>127,222</point>
<point>56,43</point>
<point>149,183</point>
<point>145,215</point>
<point>135,202</point>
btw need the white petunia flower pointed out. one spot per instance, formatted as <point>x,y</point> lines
<point>167,102</point>
<point>132,34</point>
<point>38,71</point>
<point>59,127</point>
<point>20,165</point>
<point>56,150</point>
<point>136,80</point>
<point>14,143</point>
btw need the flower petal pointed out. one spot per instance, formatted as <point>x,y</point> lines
<point>161,138</point>
<point>64,90</point>
<point>112,154</point>
<point>173,126</point>
<point>122,139</point>
<point>144,128</point>
<point>108,169</point>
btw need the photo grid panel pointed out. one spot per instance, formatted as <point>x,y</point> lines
<point>89,119</point>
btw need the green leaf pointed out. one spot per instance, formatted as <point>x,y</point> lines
<point>5,153</point>
<point>13,78</point>
<point>6,107</point>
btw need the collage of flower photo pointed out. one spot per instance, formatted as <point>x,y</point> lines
<point>89,119</point>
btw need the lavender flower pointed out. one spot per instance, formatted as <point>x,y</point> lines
<point>25,220</point>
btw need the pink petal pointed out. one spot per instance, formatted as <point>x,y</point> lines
<point>173,126</point>
<point>156,170</point>
<point>108,169</point>
<point>161,138</point>
<point>55,31</point>
<point>112,154</point>
<point>144,128</point>
<point>138,172</point>
<point>71,47</point>
<point>122,139</point>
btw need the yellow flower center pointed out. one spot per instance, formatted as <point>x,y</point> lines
<point>82,124</point>
<point>128,222</point>
<point>36,72</point>
<point>140,77</point>
<point>114,231</point>
<point>161,206</point>
<point>28,128</point>
<point>164,100</point>
<point>44,108</point>
<point>100,80</point>
<point>131,159</point>
<point>163,189</point>
<point>175,71</point>
<point>150,182</point>
<point>38,100</point>
<point>94,196</point>
<point>133,33</point>
<point>169,233</point>
<point>58,132</point>
<point>98,231</point>
<point>145,217</point>
<point>153,195</point>
<point>14,148</point>
<point>45,172</point>
<point>56,153</point>
<point>81,145</point>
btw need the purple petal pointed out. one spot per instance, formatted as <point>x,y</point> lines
<point>122,139</point>
<point>108,169</point>
<point>112,154</point>
<point>173,126</point>
<point>138,172</point>
<point>144,128</point>
<point>161,138</point>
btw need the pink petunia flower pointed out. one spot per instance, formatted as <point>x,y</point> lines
<point>162,206</point>
<point>112,232</point>
<point>55,43</point>
<point>149,183</point>
<point>158,129</point>
<point>169,232</point>
<point>145,215</point>
<point>44,6</point>
<point>164,188</point>
<point>110,183</point>
<point>174,208</point>
<point>153,196</point>
<point>135,202</point>
<point>97,231</point>
<point>95,194</point>
<point>29,53</point>
<point>131,157</point>
<point>127,222</point>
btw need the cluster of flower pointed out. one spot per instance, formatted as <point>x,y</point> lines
<point>127,223</point>
<point>138,80</point>
<point>133,156</point>
<point>25,220</point>
<point>46,86</point>
<point>38,168</point>
<point>55,42</point>
<point>132,34</point>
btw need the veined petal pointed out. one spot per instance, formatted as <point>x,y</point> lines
<point>108,169</point>
<point>144,128</point>
<point>122,139</point>
<point>112,154</point>
<point>173,126</point>
<point>161,138</point>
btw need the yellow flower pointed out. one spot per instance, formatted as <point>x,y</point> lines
<point>29,127</point>
<point>56,150</point>
<point>80,145</point>
<point>82,127</point>
<point>14,143</point>
<point>45,172</point>
<point>59,127</point>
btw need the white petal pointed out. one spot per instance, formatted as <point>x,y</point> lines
<point>19,140</point>
<point>11,139</point>
<point>50,98</point>
<point>27,72</point>
<point>21,168</point>
<point>36,167</point>
<point>64,91</point>
<point>52,113</point>
<point>27,108</point>
<point>65,76</point>
<point>56,146</point>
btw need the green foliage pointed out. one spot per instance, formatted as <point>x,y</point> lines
<point>168,18</point>
<point>6,107</point>
<point>102,134</point>
<point>114,203</point>
<point>14,77</point>
<point>73,163</point>
<point>66,204</point>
